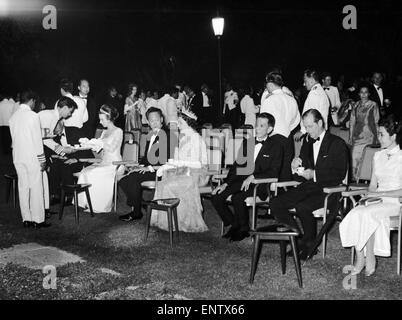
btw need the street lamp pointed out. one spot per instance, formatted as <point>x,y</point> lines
<point>218,24</point>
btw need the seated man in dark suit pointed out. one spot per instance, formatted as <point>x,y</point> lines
<point>155,154</point>
<point>266,158</point>
<point>322,163</point>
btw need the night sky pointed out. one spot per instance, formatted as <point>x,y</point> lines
<point>154,43</point>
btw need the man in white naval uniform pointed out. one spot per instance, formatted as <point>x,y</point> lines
<point>333,96</point>
<point>29,161</point>
<point>316,99</point>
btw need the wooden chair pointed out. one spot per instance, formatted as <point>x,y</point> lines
<point>12,187</point>
<point>130,157</point>
<point>75,189</point>
<point>170,207</point>
<point>270,233</point>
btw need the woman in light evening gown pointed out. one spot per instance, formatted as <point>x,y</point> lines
<point>367,227</point>
<point>101,175</point>
<point>132,109</point>
<point>363,126</point>
<point>182,177</point>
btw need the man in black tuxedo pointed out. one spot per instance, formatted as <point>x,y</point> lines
<point>89,127</point>
<point>116,100</point>
<point>379,94</point>
<point>324,158</point>
<point>131,184</point>
<point>266,158</point>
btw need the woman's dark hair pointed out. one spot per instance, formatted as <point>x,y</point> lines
<point>190,121</point>
<point>364,84</point>
<point>393,125</point>
<point>130,88</point>
<point>110,112</point>
<point>67,85</point>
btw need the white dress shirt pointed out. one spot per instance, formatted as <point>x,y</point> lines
<point>230,98</point>
<point>257,148</point>
<point>205,100</point>
<point>48,120</point>
<point>285,90</point>
<point>317,99</point>
<point>248,107</point>
<point>7,108</point>
<point>151,103</point>
<point>380,93</point>
<point>80,115</point>
<point>334,100</point>
<point>285,111</point>
<point>316,150</point>
<point>162,104</point>
<point>26,136</point>
<point>171,110</point>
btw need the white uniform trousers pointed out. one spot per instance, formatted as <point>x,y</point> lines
<point>30,189</point>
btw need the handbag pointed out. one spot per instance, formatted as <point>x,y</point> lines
<point>369,201</point>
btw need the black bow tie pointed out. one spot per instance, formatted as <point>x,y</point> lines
<point>314,140</point>
<point>378,88</point>
<point>259,141</point>
<point>326,88</point>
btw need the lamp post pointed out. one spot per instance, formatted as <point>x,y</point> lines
<point>218,24</point>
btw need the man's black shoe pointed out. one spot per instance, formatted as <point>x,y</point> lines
<point>126,217</point>
<point>49,213</point>
<point>41,225</point>
<point>239,235</point>
<point>27,224</point>
<point>229,234</point>
<point>54,200</point>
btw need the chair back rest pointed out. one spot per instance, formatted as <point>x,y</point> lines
<point>130,152</point>
<point>214,159</point>
<point>128,137</point>
<point>365,169</point>
<point>207,126</point>
<point>142,145</point>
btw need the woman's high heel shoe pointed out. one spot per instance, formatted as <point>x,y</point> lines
<point>369,272</point>
<point>356,270</point>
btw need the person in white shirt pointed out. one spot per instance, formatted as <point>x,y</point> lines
<point>281,105</point>
<point>333,96</point>
<point>248,107</point>
<point>316,99</point>
<point>230,107</point>
<point>181,99</point>
<point>152,99</point>
<point>78,118</point>
<point>286,113</point>
<point>167,104</point>
<point>142,106</point>
<point>52,124</point>
<point>7,108</point>
<point>29,161</point>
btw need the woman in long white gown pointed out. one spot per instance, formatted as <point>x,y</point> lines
<point>367,227</point>
<point>181,178</point>
<point>101,175</point>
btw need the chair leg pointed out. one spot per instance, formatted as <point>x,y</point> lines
<point>176,222</point>
<point>62,201</point>
<point>115,195</point>
<point>8,190</point>
<point>324,245</point>
<point>398,263</point>
<point>352,256</point>
<point>14,183</point>
<point>148,222</point>
<point>170,226</point>
<point>296,260</point>
<point>222,228</point>
<point>89,201</point>
<point>77,218</point>
<point>282,245</point>
<point>255,257</point>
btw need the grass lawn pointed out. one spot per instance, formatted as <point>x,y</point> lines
<point>201,266</point>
